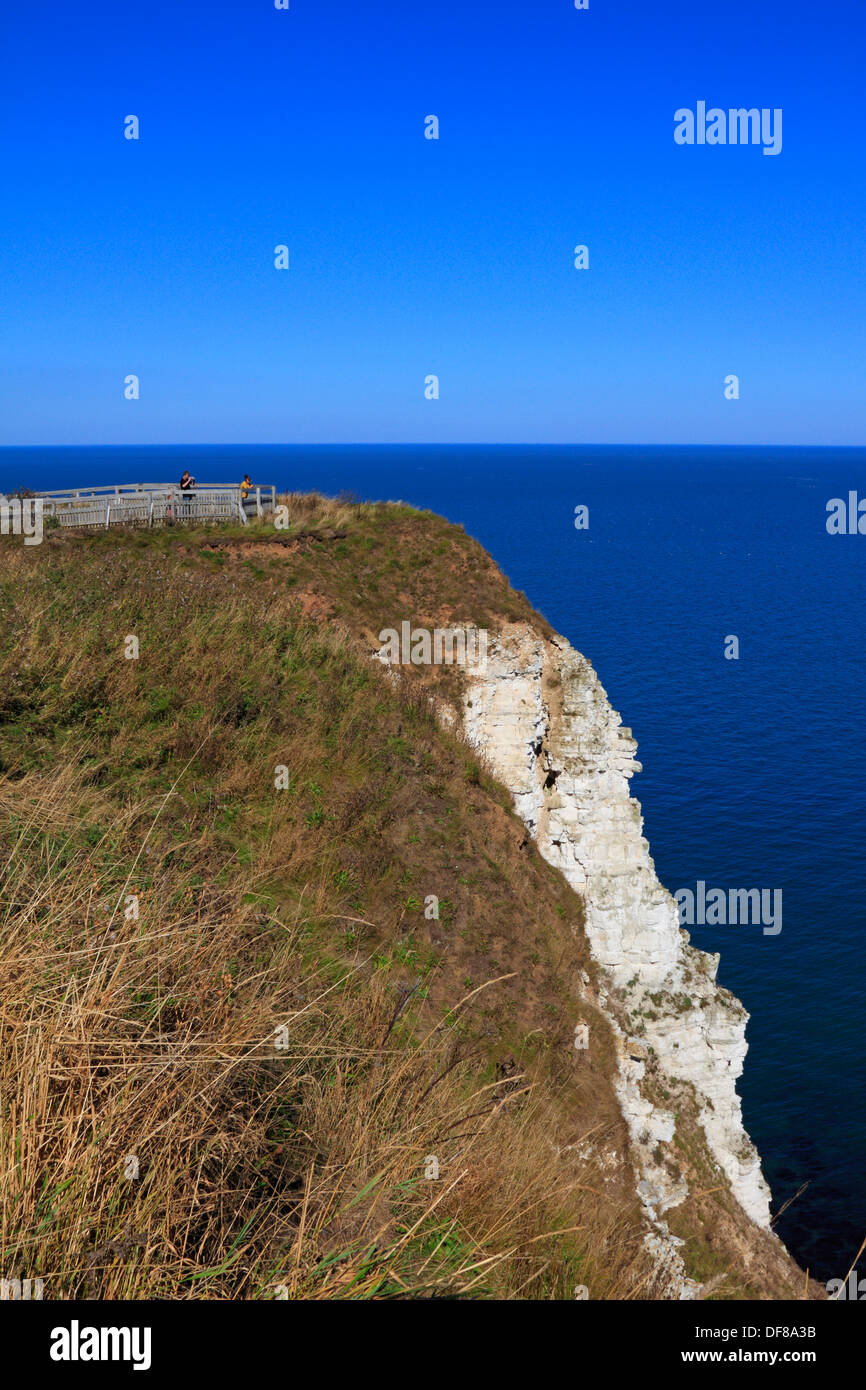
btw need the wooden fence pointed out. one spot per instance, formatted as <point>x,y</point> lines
<point>158,504</point>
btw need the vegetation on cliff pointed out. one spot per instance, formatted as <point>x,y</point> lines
<point>234,1032</point>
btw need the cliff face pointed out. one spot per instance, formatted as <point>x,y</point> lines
<point>543,721</point>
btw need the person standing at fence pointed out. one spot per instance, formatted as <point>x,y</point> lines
<point>187,483</point>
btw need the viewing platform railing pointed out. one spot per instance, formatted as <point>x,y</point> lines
<point>158,504</point>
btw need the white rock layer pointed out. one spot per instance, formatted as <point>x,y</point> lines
<point>542,720</point>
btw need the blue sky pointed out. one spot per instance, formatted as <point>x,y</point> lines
<point>412,257</point>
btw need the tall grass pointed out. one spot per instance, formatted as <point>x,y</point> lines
<point>158,1143</point>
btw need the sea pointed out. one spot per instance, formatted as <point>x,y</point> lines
<point>752,763</point>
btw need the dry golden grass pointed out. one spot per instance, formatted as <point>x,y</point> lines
<point>261,1170</point>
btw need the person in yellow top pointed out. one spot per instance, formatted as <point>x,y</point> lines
<point>246,486</point>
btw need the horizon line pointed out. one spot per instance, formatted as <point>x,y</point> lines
<point>427,444</point>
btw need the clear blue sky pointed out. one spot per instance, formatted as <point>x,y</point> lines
<point>410,256</point>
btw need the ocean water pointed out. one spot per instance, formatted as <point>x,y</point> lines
<point>752,767</point>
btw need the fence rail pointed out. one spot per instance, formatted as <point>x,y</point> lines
<point>158,504</point>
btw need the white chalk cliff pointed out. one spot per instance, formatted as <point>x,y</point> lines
<point>538,713</point>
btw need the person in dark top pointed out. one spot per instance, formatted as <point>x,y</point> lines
<point>187,484</point>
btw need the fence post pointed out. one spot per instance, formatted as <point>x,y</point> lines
<point>258,501</point>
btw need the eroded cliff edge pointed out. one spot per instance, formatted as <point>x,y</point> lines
<point>540,716</point>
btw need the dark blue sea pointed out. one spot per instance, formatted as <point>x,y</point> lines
<point>753,772</point>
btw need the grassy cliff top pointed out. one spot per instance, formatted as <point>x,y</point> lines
<point>239,1036</point>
